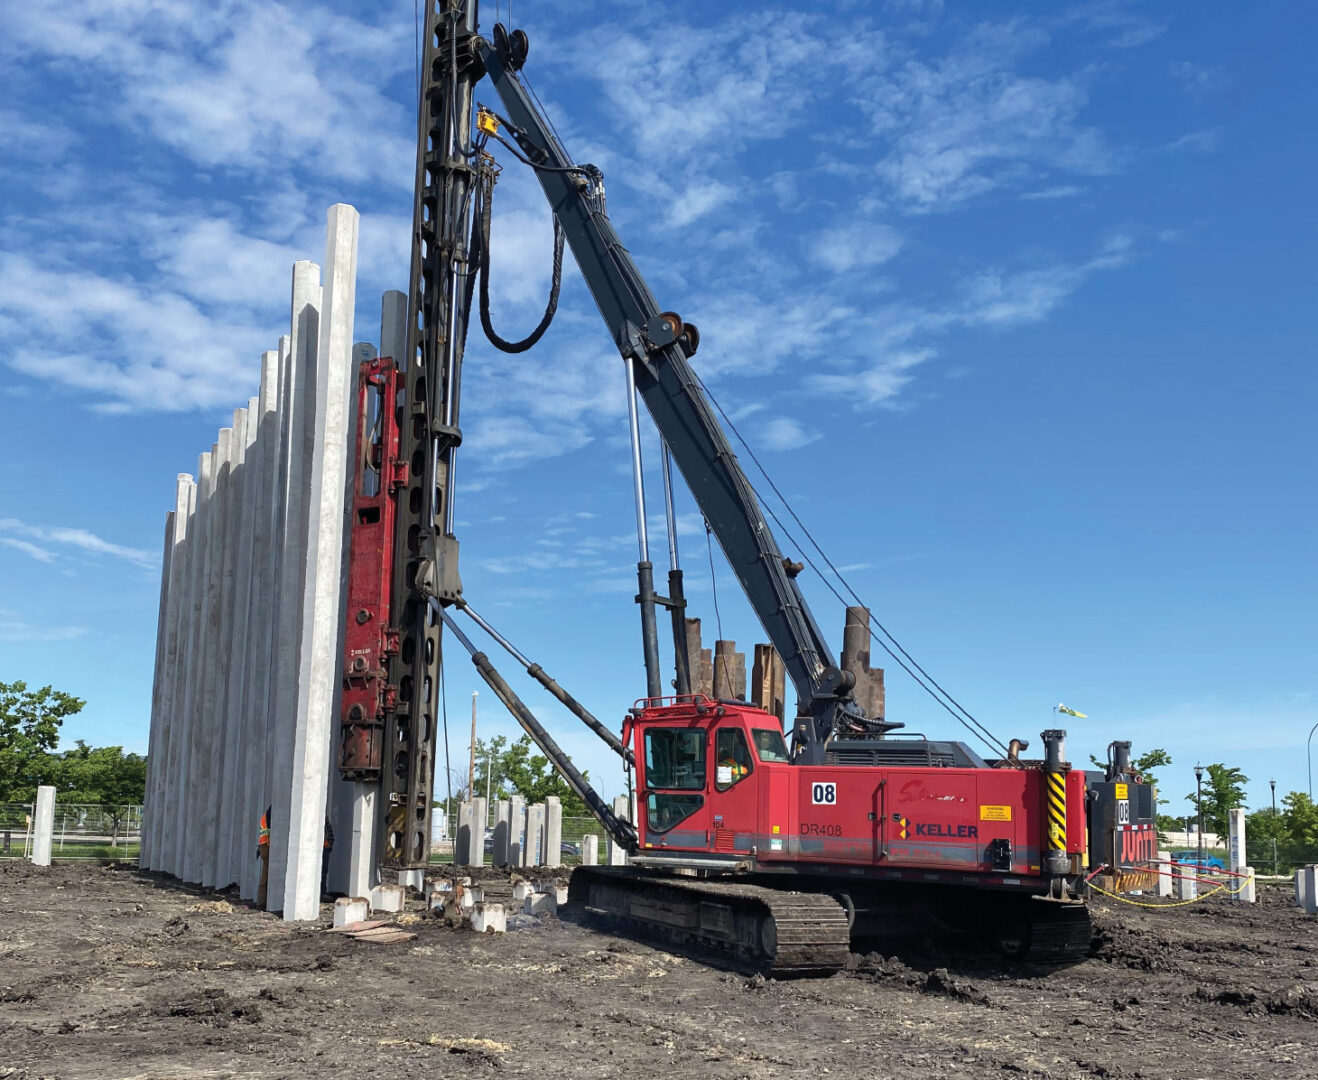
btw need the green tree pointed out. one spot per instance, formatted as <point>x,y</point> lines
<point>1224,789</point>
<point>29,730</point>
<point>1146,763</point>
<point>103,776</point>
<point>1300,814</point>
<point>1144,766</point>
<point>1265,835</point>
<point>520,769</point>
<point>1171,823</point>
<point>490,773</point>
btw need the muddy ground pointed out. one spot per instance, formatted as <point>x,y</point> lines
<point>110,973</point>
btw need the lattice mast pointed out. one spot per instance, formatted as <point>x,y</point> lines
<point>426,551</point>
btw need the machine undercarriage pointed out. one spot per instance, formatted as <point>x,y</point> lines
<point>785,925</point>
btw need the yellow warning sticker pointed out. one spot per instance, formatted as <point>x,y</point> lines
<point>1121,791</point>
<point>995,813</point>
<point>776,830</point>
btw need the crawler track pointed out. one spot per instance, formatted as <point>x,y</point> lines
<point>782,932</point>
<point>768,930</point>
<point>1059,932</point>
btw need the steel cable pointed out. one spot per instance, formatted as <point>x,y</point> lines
<point>978,729</point>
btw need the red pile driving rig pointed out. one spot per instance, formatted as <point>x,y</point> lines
<point>774,854</point>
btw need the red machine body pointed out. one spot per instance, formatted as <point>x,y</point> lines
<point>713,779</point>
<point>369,639</point>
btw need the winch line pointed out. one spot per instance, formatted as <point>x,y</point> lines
<point>951,705</point>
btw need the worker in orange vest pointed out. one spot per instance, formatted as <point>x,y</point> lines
<point>263,853</point>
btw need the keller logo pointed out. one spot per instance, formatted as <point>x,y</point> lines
<point>902,823</point>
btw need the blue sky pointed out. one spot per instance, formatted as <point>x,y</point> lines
<point>1015,302</point>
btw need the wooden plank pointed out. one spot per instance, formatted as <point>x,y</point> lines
<point>355,927</point>
<point>383,936</point>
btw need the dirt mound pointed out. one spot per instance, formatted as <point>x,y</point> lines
<point>212,1006</point>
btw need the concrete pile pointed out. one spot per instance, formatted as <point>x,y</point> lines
<point>519,835</point>
<point>249,642</point>
<point>1306,888</point>
<point>1243,887</point>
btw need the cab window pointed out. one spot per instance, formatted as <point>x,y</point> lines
<point>733,758</point>
<point>663,810</point>
<point>674,761</point>
<point>769,745</point>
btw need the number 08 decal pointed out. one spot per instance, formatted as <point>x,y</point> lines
<point>823,794</point>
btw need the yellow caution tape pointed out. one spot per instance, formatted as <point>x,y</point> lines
<point>1244,881</point>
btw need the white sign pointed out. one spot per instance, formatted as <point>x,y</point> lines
<point>823,794</point>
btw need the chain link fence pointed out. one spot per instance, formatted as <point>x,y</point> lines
<point>82,831</point>
<point>1280,856</point>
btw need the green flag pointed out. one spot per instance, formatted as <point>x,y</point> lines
<point>1071,712</point>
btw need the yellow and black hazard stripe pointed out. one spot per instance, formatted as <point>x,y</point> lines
<point>1055,808</point>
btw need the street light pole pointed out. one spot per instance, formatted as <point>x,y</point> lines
<point>1273,785</point>
<point>471,764</point>
<point>1308,756</point>
<point>1199,808</point>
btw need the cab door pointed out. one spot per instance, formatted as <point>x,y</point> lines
<point>675,778</point>
<point>735,799</point>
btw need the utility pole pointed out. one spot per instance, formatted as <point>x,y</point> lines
<point>1308,757</point>
<point>1199,808</point>
<point>1273,785</point>
<point>471,768</point>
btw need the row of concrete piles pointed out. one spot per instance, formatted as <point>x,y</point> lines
<point>524,835</point>
<point>249,640</point>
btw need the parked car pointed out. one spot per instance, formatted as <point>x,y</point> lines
<point>569,848</point>
<point>1191,858</point>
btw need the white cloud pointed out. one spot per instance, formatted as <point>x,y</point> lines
<point>183,299</point>
<point>21,136</point>
<point>39,553</point>
<point>237,83</point>
<point>858,245</point>
<point>139,345</point>
<point>15,629</point>
<point>784,433</point>
<point>81,539</point>
<point>1061,191</point>
<point>1129,29</point>
<point>997,298</point>
<point>877,383</point>
<point>1203,142</point>
<point>535,561</point>
<point>212,261</point>
<point>961,125</point>
<point>753,76</point>
<point>1199,80</point>
<point>742,333</point>
<point>696,200</point>
<point>1029,296</point>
